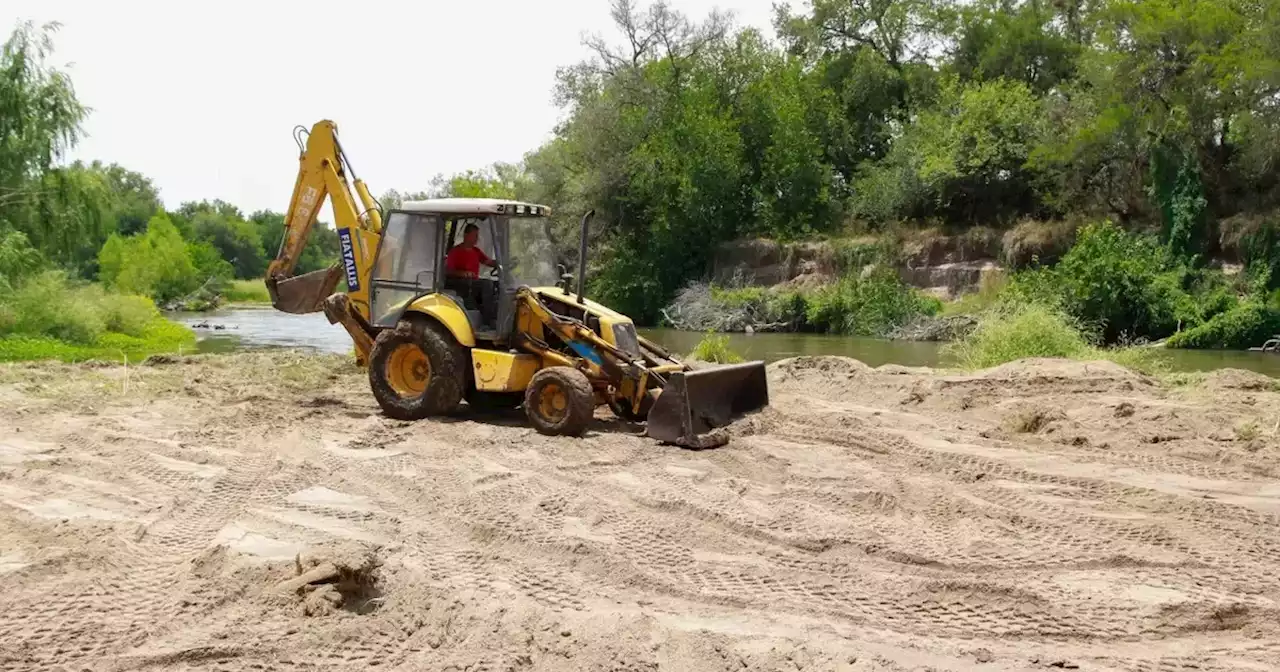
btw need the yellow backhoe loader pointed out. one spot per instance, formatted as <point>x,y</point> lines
<point>520,336</point>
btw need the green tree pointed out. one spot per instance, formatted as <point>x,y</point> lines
<point>18,260</point>
<point>63,212</point>
<point>1179,74</point>
<point>40,116</point>
<point>322,248</point>
<point>223,226</point>
<point>501,180</point>
<point>966,159</point>
<point>155,263</point>
<point>135,198</point>
<point>1026,42</point>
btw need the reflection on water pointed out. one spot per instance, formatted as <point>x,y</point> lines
<point>265,327</point>
<point>238,328</point>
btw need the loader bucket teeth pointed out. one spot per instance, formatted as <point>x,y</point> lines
<point>695,405</point>
<point>305,293</point>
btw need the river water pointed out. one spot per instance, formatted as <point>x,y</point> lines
<point>265,327</point>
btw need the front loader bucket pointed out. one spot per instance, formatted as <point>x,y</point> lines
<point>694,404</point>
<point>305,293</point>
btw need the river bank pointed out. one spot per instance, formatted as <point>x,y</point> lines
<point>1040,514</point>
<point>247,328</point>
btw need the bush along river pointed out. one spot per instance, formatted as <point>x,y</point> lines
<point>244,327</point>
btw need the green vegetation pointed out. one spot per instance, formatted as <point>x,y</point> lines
<point>861,305</point>
<point>991,290</point>
<point>1027,331</point>
<point>48,315</point>
<point>715,349</point>
<point>866,306</point>
<point>1246,324</point>
<point>1032,330</point>
<point>1031,118</point>
<point>104,222</point>
<point>1114,148</point>
<point>247,291</point>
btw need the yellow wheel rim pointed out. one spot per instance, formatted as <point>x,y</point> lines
<point>408,371</point>
<point>553,403</point>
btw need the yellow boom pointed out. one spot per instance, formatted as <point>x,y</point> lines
<point>322,172</point>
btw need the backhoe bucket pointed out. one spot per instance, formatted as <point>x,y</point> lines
<point>305,293</point>
<point>695,404</point>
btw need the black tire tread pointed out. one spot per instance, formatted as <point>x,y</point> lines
<point>448,370</point>
<point>581,398</point>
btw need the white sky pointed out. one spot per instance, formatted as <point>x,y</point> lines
<point>202,96</point>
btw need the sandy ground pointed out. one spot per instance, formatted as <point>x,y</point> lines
<point>1043,515</point>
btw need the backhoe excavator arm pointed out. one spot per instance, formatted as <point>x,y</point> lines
<point>322,172</point>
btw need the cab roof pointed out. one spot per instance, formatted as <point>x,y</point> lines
<point>476,206</point>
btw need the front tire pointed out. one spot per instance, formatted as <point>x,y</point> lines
<point>417,371</point>
<point>559,401</point>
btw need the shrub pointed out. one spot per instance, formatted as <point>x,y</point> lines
<point>50,305</point>
<point>1255,241</point>
<point>715,349</point>
<point>44,305</point>
<point>18,260</point>
<point>850,256</point>
<point>127,314</point>
<point>155,264</point>
<point>1247,324</point>
<point>208,263</point>
<point>1012,333</point>
<point>1125,283</point>
<point>785,307</point>
<point>702,307</point>
<point>870,306</point>
<point>738,297</point>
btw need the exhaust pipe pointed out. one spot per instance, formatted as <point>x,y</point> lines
<point>582,254</point>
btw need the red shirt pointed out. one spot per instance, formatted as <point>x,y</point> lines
<point>465,260</point>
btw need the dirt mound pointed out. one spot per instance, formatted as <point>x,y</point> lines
<point>1238,379</point>
<point>1049,369</point>
<point>821,376</point>
<point>817,368</point>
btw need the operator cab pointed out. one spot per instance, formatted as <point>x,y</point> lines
<point>416,242</point>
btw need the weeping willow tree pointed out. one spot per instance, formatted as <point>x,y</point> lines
<point>60,210</point>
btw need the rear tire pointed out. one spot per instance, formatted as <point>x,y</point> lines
<point>417,370</point>
<point>559,401</point>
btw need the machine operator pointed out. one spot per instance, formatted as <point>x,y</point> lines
<point>464,260</point>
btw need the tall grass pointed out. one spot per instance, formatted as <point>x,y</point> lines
<point>1021,331</point>
<point>246,291</point>
<point>715,349</point>
<point>1012,333</point>
<point>50,317</point>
